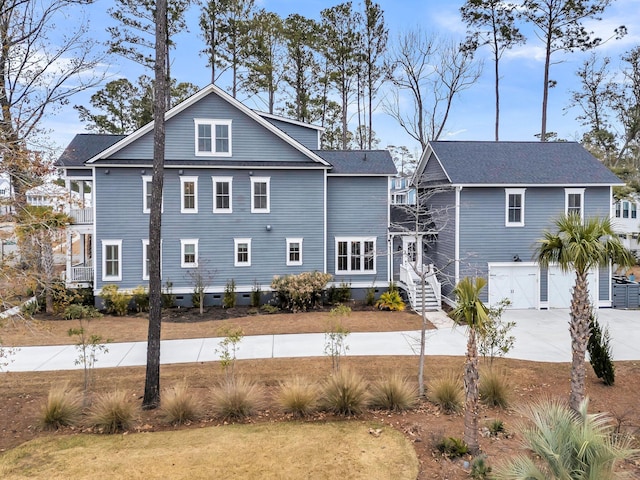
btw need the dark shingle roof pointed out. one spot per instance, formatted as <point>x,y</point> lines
<point>521,163</point>
<point>358,162</point>
<point>85,146</point>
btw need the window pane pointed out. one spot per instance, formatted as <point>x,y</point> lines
<point>515,208</point>
<point>575,203</point>
<point>189,253</point>
<point>222,138</point>
<point>147,205</point>
<point>369,255</point>
<point>355,256</point>
<point>625,209</point>
<point>634,210</point>
<point>111,261</point>
<point>222,195</point>
<point>617,209</point>
<point>343,256</point>
<point>243,253</point>
<point>189,195</point>
<point>204,138</point>
<point>260,195</point>
<point>294,252</point>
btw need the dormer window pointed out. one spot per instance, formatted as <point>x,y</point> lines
<point>213,137</point>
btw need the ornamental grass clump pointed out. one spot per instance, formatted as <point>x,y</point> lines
<point>178,406</point>
<point>446,392</point>
<point>113,412</point>
<point>62,408</point>
<point>298,396</point>
<point>302,292</point>
<point>236,398</point>
<point>393,393</point>
<point>344,393</point>
<point>494,389</point>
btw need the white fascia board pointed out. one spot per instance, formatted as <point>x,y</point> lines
<point>422,164</point>
<point>211,88</point>
<point>533,185</point>
<point>291,121</point>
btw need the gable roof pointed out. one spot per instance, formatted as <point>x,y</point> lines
<point>358,162</point>
<point>517,163</point>
<point>84,146</point>
<point>209,89</point>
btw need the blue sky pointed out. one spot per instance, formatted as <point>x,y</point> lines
<point>473,113</point>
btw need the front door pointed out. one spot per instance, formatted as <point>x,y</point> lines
<point>411,254</point>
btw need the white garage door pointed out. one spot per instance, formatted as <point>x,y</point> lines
<point>560,287</point>
<point>517,281</point>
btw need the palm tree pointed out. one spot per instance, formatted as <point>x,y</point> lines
<point>470,311</point>
<point>580,246</point>
<point>567,445</point>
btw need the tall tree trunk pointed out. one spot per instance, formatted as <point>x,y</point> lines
<point>151,397</point>
<point>579,330</point>
<point>545,91</point>
<point>471,378</point>
<point>497,72</point>
<point>46,248</point>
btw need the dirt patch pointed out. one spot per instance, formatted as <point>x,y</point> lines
<point>23,394</point>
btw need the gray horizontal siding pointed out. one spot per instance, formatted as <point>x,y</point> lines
<point>296,211</point>
<point>433,171</point>
<point>250,140</point>
<point>484,237</point>
<point>305,135</point>
<point>358,207</point>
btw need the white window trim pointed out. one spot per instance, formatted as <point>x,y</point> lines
<point>236,242</point>
<point>569,191</point>
<point>514,191</point>
<point>266,180</point>
<point>229,180</point>
<point>184,180</point>
<point>145,248</point>
<point>146,183</point>
<point>212,123</point>
<point>111,278</point>
<point>349,240</point>
<point>183,243</point>
<point>289,242</point>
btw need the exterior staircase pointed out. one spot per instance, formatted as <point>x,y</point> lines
<point>411,282</point>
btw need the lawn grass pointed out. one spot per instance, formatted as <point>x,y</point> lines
<point>277,450</point>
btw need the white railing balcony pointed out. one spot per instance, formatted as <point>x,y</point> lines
<point>81,275</point>
<point>81,216</point>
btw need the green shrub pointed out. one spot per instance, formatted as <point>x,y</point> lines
<point>256,295</point>
<point>298,396</point>
<point>600,356</point>
<point>480,469</point>
<point>115,302</point>
<point>178,406</point>
<point>141,298</point>
<point>236,398</point>
<point>451,447</point>
<point>77,312</point>
<point>112,412</point>
<point>494,389</point>
<point>339,294</point>
<point>62,408</point>
<point>344,393</point>
<point>269,309</point>
<point>168,298</point>
<point>229,298</point>
<point>446,392</point>
<point>31,308</point>
<point>390,300</point>
<point>302,292</point>
<point>496,427</point>
<point>370,297</point>
<point>393,393</point>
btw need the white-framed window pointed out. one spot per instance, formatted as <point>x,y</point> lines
<point>242,252</point>
<point>146,194</point>
<point>260,194</point>
<point>574,201</point>
<point>355,255</point>
<point>634,210</point>
<point>189,253</point>
<point>111,260</point>
<point>188,194</point>
<point>145,259</point>
<point>222,194</point>
<point>514,207</point>
<point>294,251</point>
<point>213,137</point>
<point>625,209</point>
<point>618,208</point>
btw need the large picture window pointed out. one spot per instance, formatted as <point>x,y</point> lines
<point>355,255</point>
<point>112,260</point>
<point>213,137</point>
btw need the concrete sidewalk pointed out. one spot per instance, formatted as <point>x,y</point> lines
<point>540,336</point>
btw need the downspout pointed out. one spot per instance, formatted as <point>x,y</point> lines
<point>94,240</point>
<point>326,239</point>
<point>457,237</point>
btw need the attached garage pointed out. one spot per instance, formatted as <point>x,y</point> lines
<point>517,281</point>
<point>560,287</point>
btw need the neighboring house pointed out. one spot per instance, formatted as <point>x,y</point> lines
<point>491,201</point>
<point>5,195</point>
<point>51,195</point>
<point>401,192</point>
<point>627,223</point>
<point>247,196</point>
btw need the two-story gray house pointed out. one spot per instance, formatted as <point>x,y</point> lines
<point>247,196</point>
<point>489,202</point>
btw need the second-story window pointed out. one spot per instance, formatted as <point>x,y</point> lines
<point>189,194</point>
<point>260,193</point>
<point>514,207</point>
<point>574,198</point>
<point>222,194</point>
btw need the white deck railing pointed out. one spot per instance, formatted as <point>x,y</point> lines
<point>410,279</point>
<point>81,216</point>
<point>81,275</point>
